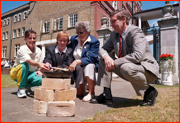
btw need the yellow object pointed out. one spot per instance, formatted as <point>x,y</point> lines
<point>16,73</point>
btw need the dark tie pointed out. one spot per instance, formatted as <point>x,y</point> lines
<point>120,47</point>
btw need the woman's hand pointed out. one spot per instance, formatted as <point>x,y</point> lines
<point>39,73</point>
<point>73,65</point>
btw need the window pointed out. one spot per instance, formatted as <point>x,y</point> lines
<point>15,18</point>
<point>25,14</point>
<point>4,22</point>
<point>46,26</point>
<point>18,32</point>
<point>8,21</point>
<point>23,31</point>
<point>6,35</point>
<point>4,50</point>
<point>114,4</point>
<point>3,38</point>
<point>58,23</point>
<point>123,7</point>
<point>19,17</point>
<point>73,18</point>
<point>14,33</point>
<point>17,46</point>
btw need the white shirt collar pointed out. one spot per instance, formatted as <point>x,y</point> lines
<point>87,40</point>
<point>57,50</point>
<point>29,51</point>
<point>123,34</point>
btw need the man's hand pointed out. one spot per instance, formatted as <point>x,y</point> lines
<point>109,63</point>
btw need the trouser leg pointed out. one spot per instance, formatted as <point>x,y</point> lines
<point>104,77</point>
<point>79,76</point>
<point>137,75</point>
<point>19,74</point>
<point>33,80</point>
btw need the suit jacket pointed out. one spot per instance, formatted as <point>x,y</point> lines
<point>54,59</point>
<point>89,51</point>
<point>135,49</point>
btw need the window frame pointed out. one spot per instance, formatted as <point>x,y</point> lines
<point>73,20</point>
<point>18,32</point>
<point>3,36</point>
<point>6,35</point>
<point>4,51</point>
<point>7,23</point>
<point>14,33</point>
<point>15,18</point>
<point>25,15</point>
<point>114,4</point>
<point>4,24</point>
<point>23,31</point>
<point>57,22</point>
<point>45,29</point>
<point>16,48</point>
<point>19,17</point>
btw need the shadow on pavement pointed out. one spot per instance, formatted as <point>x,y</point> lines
<point>15,93</point>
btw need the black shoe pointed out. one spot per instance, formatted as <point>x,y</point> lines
<point>149,97</point>
<point>102,99</point>
<point>29,91</point>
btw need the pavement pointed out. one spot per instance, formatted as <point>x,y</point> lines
<point>14,109</point>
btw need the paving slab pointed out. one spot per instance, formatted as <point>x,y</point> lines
<point>14,109</point>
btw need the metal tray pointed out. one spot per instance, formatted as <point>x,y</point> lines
<point>58,74</point>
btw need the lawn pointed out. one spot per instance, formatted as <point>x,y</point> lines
<point>7,82</point>
<point>166,109</point>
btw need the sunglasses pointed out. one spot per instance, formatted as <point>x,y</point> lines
<point>80,33</point>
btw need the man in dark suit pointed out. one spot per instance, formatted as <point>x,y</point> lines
<point>135,62</point>
<point>59,55</point>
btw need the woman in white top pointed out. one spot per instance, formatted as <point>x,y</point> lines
<point>85,51</point>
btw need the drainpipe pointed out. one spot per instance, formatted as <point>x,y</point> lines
<point>10,38</point>
<point>132,11</point>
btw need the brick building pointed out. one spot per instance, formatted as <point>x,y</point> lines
<point>47,18</point>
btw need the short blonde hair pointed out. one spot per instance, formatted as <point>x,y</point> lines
<point>63,35</point>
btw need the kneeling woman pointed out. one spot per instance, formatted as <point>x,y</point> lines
<point>85,51</point>
<point>25,71</point>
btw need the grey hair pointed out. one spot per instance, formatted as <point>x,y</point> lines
<point>83,24</point>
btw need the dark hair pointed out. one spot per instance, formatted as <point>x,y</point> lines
<point>28,32</point>
<point>121,13</point>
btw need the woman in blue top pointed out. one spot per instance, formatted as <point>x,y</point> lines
<point>85,51</point>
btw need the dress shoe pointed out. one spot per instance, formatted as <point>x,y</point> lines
<point>149,97</point>
<point>102,99</point>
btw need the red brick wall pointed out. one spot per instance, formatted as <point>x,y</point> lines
<point>5,70</point>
